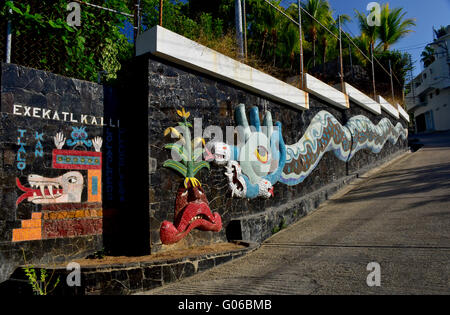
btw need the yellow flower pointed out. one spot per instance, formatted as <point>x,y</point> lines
<point>197,141</point>
<point>174,133</point>
<point>183,113</point>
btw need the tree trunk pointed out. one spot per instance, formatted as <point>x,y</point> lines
<point>275,42</point>
<point>314,53</point>
<point>314,36</point>
<point>325,45</point>
<point>263,44</point>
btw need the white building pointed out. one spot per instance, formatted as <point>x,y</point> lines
<point>429,99</point>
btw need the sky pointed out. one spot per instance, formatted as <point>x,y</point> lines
<point>428,13</point>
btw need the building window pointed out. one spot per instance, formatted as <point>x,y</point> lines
<point>422,99</point>
<point>438,92</point>
<point>431,96</point>
<point>424,76</point>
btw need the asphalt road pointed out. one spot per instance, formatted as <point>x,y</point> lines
<point>398,217</point>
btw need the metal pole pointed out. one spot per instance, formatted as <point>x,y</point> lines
<point>161,7</point>
<point>139,17</point>
<point>239,35</point>
<point>373,75</point>
<point>392,82</point>
<point>245,32</point>
<point>301,42</point>
<point>412,81</point>
<point>136,16</point>
<point>340,55</point>
<point>351,61</point>
<point>8,40</point>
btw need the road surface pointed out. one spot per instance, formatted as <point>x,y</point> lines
<point>397,218</point>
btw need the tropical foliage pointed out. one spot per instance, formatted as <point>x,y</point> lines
<point>43,39</point>
<point>428,56</point>
<point>100,44</point>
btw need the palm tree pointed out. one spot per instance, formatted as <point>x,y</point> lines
<point>440,32</point>
<point>290,44</point>
<point>321,11</point>
<point>427,56</point>
<point>332,25</point>
<point>369,33</point>
<point>393,26</point>
<point>265,21</point>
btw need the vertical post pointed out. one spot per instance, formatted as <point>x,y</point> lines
<point>351,60</point>
<point>373,74</point>
<point>412,81</point>
<point>161,7</point>
<point>301,43</point>
<point>245,32</point>
<point>239,36</point>
<point>392,81</point>
<point>139,17</point>
<point>136,18</point>
<point>8,39</point>
<point>340,55</point>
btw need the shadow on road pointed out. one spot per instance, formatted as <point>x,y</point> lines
<point>429,140</point>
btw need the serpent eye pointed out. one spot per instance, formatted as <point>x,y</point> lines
<point>262,154</point>
<point>72,180</point>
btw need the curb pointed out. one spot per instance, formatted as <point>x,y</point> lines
<point>130,278</point>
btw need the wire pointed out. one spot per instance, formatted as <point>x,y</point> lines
<point>103,8</point>
<point>357,47</point>
<point>279,10</point>
<point>320,23</point>
<point>348,36</point>
<point>415,45</point>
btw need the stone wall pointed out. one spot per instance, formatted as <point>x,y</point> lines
<point>171,87</point>
<point>51,190</point>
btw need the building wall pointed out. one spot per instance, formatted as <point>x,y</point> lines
<point>435,77</point>
<point>440,106</point>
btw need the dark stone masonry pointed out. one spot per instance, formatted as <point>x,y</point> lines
<point>171,87</point>
<point>82,166</point>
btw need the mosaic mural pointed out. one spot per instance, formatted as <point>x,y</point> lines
<point>191,205</point>
<point>63,213</point>
<point>261,159</point>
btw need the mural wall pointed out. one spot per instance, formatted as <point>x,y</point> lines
<point>289,154</point>
<point>51,142</point>
<point>263,159</point>
<point>191,205</point>
<point>63,213</point>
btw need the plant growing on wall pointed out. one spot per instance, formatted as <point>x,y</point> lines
<point>40,285</point>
